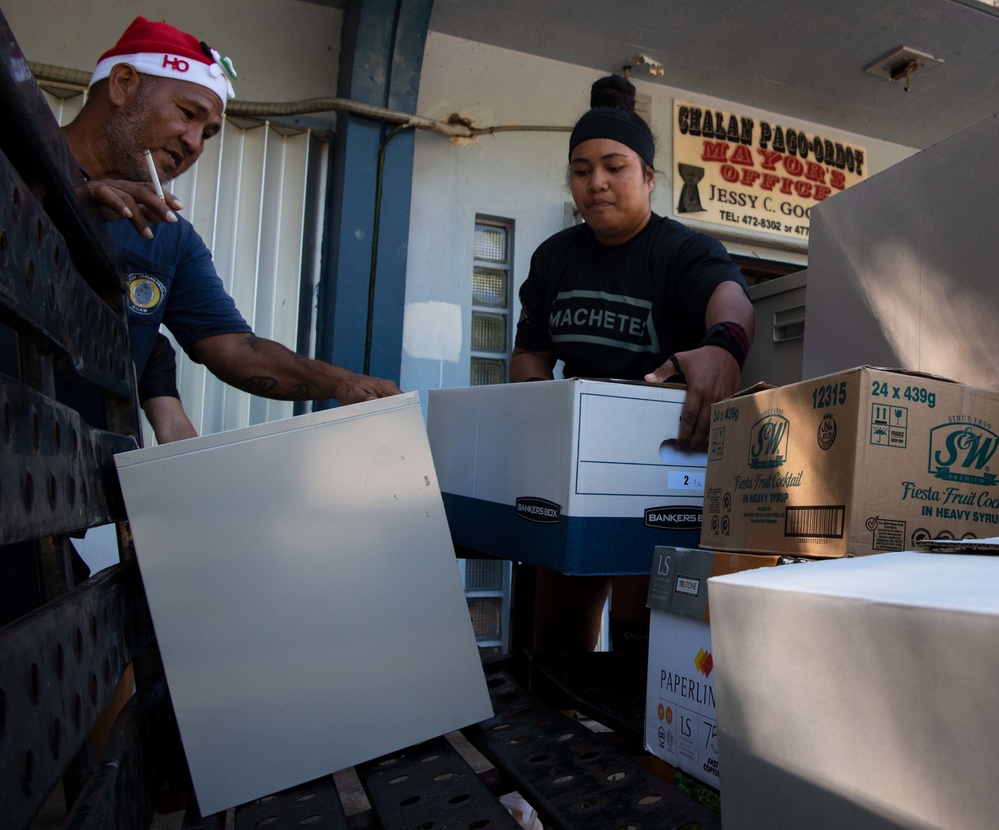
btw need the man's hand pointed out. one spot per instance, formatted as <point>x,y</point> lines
<point>711,374</point>
<point>135,201</point>
<point>168,419</point>
<point>354,388</point>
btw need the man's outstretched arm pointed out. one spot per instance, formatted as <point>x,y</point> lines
<point>266,368</point>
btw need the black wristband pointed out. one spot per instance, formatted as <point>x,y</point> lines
<point>731,337</point>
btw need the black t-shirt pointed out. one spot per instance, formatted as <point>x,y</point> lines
<point>620,311</point>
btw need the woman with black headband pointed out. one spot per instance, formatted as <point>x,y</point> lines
<point>631,295</point>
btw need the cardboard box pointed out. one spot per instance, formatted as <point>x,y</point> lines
<point>575,475</point>
<point>859,693</point>
<point>305,596</point>
<point>680,700</point>
<point>859,462</point>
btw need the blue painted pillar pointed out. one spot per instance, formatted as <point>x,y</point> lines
<point>380,62</point>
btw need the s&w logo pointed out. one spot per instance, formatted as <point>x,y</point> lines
<point>768,442</point>
<point>961,452</point>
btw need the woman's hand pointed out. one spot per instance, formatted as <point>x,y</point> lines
<point>711,374</point>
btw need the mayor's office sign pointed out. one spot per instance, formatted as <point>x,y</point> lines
<point>755,174</point>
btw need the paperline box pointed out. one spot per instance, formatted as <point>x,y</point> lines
<point>680,698</point>
<point>305,595</point>
<point>581,476</point>
<point>859,462</point>
<point>859,693</point>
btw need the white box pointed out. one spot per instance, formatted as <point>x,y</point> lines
<point>901,266</point>
<point>305,596</point>
<point>680,698</point>
<point>581,476</point>
<point>859,693</point>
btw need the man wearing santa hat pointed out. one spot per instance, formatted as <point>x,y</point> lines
<point>162,90</point>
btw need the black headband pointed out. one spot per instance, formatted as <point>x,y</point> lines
<point>618,125</point>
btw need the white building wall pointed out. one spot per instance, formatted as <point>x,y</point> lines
<point>283,50</point>
<point>522,176</point>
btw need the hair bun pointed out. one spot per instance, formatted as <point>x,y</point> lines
<point>613,91</point>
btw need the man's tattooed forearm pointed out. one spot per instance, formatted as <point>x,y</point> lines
<point>268,388</point>
<point>258,385</point>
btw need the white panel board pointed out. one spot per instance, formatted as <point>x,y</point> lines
<point>305,595</point>
<point>901,268</point>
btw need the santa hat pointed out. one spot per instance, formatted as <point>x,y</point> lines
<point>160,49</point>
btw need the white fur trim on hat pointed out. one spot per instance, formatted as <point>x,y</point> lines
<point>164,65</point>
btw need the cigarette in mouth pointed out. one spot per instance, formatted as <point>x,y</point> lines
<point>152,174</point>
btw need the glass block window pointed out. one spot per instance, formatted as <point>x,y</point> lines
<point>484,575</point>
<point>489,333</point>
<point>490,243</point>
<point>485,371</point>
<point>487,585</point>
<point>491,301</point>
<point>487,617</point>
<point>487,582</point>
<point>489,287</point>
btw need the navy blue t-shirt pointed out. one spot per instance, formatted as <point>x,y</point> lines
<point>172,281</point>
<point>159,377</point>
<point>620,311</point>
